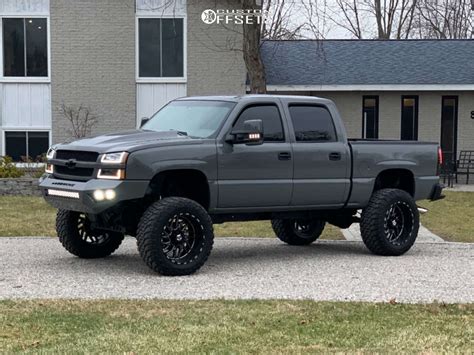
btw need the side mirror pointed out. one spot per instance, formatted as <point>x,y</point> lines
<point>251,133</point>
<point>143,121</point>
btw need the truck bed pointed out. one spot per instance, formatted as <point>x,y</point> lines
<point>420,161</point>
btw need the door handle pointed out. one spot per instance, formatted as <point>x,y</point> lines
<point>284,156</point>
<point>334,156</point>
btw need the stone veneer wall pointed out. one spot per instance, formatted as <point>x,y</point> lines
<point>22,187</point>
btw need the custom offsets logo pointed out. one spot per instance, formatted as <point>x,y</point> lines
<point>237,16</point>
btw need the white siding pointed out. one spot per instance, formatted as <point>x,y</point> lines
<point>161,7</point>
<point>151,97</point>
<point>25,105</point>
<point>31,7</point>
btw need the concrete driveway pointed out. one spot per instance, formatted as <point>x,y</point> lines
<point>244,268</point>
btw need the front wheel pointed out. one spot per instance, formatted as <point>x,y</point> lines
<point>175,236</point>
<point>389,224</point>
<point>77,237</point>
<point>298,231</point>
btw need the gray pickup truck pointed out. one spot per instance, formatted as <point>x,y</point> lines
<point>205,160</point>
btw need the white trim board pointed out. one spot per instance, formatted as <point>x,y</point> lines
<point>411,87</point>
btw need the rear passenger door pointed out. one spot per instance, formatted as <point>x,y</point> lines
<point>256,175</point>
<point>321,158</point>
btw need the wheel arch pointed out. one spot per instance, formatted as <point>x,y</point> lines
<point>189,183</point>
<point>398,178</point>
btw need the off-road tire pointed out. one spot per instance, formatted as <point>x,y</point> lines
<point>286,232</point>
<point>76,241</point>
<point>376,218</point>
<point>152,232</point>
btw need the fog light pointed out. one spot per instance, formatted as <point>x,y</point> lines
<point>99,195</point>
<point>110,194</point>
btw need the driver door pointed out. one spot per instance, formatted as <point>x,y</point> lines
<point>256,175</point>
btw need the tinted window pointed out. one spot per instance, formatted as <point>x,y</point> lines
<point>15,145</point>
<point>172,47</point>
<point>20,145</point>
<point>36,47</point>
<point>20,34</point>
<point>160,48</point>
<point>270,116</point>
<point>409,129</point>
<point>370,118</point>
<point>38,144</point>
<point>312,124</point>
<point>149,47</point>
<point>13,47</point>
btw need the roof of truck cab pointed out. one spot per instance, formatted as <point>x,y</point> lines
<point>251,97</point>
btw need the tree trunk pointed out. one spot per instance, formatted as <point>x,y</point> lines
<point>251,52</point>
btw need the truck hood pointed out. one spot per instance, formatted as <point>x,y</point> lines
<point>128,141</point>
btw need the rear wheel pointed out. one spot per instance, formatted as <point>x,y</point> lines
<point>175,236</point>
<point>297,231</point>
<point>77,237</point>
<point>389,224</point>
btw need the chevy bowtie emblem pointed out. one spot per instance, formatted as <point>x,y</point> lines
<point>71,163</point>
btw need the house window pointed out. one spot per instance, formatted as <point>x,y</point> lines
<point>370,117</point>
<point>19,145</point>
<point>25,47</point>
<point>160,49</point>
<point>409,128</point>
<point>449,127</point>
<point>312,124</point>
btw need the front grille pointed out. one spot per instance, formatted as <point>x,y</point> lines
<point>82,172</point>
<point>75,173</point>
<point>77,155</point>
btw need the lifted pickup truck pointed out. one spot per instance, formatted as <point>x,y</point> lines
<point>205,160</point>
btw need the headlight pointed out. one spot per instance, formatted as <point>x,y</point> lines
<point>51,153</point>
<point>114,158</point>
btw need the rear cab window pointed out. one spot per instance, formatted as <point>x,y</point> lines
<point>312,123</point>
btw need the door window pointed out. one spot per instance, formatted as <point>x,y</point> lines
<point>409,129</point>
<point>312,123</point>
<point>370,117</point>
<point>270,116</point>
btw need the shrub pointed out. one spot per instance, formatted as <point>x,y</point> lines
<point>8,169</point>
<point>33,167</point>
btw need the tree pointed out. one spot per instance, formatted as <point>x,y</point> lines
<point>443,19</point>
<point>382,19</point>
<point>277,25</point>
<point>252,31</point>
<point>279,22</point>
<point>80,118</point>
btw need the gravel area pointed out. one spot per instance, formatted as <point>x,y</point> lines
<point>244,268</point>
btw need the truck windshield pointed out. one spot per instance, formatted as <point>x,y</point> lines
<point>199,119</point>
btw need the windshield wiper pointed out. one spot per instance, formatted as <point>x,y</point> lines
<point>180,133</point>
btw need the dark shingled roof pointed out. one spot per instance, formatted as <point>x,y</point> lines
<point>369,62</point>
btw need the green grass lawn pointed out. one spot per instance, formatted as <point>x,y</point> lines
<point>451,218</point>
<point>134,327</point>
<point>32,216</point>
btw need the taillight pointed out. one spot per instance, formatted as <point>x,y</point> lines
<point>440,156</point>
